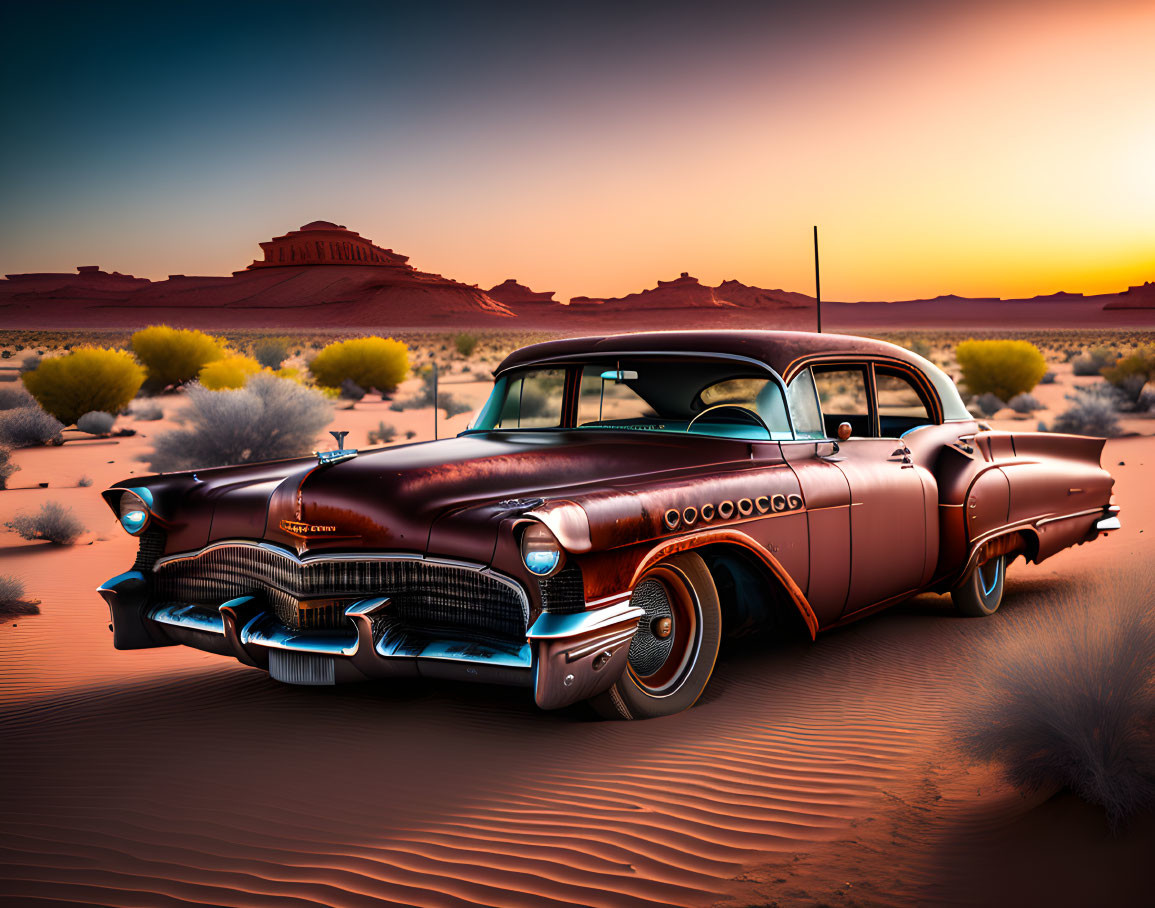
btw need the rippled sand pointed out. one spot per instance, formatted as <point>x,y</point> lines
<point>808,774</point>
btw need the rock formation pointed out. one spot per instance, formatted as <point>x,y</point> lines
<point>511,293</point>
<point>322,275</point>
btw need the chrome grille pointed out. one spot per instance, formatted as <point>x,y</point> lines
<point>423,593</point>
<point>564,592</point>
<point>151,547</point>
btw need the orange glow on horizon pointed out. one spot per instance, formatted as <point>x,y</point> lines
<point>992,151</point>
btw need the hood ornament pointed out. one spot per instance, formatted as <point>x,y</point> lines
<point>519,505</point>
<point>342,453</point>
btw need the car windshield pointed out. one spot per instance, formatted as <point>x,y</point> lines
<point>702,397</point>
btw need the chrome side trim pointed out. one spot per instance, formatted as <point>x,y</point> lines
<point>1086,513</point>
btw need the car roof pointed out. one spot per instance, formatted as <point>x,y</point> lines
<point>779,350</point>
<point>776,349</point>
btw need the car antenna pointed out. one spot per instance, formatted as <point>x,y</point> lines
<point>817,282</point>
<point>435,400</point>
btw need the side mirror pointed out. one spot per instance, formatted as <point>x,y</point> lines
<point>844,431</point>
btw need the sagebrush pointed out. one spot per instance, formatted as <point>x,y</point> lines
<point>13,601</point>
<point>1093,411</point>
<point>271,352</point>
<point>53,523</point>
<point>269,419</point>
<point>29,426</point>
<point>15,396</point>
<point>1066,697</point>
<point>7,467</point>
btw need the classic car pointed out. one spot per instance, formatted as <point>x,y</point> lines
<point>617,506</point>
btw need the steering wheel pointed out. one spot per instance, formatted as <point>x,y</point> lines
<point>732,410</point>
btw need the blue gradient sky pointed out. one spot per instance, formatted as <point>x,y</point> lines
<point>980,148</point>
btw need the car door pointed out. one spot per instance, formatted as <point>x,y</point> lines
<point>888,494</point>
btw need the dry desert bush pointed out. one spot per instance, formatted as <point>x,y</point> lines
<point>1131,374</point>
<point>16,397</point>
<point>383,434</point>
<point>269,419</point>
<point>1066,696</point>
<point>52,523</point>
<point>370,362</point>
<point>13,601</point>
<point>1001,367</point>
<point>175,356</point>
<point>989,404</point>
<point>271,352</point>
<point>91,378</point>
<point>1093,411</point>
<point>96,422</point>
<point>1096,360</point>
<point>228,373</point>
<point>29,426</point>
<point>7,468</point>
<point>148,411</point>
<point>445,400</point>
<point>465,343</point>
<point>1025,403</point>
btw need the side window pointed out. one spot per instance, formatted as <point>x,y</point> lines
<point>533,400</point>
<point>842,395</point>
<point>804,406</point>
<point>900,406</point>
<point>606,400</point>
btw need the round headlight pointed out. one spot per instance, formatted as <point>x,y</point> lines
<point>133,513</point>
<point>540,550</point>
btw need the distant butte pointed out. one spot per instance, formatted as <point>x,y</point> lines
<point>687,292</point>
<point>320,276</point>
<point>325,276</point>
<point>512,293</point>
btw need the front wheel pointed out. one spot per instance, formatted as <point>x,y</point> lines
<point>674,649</point>
<point>980,592</point>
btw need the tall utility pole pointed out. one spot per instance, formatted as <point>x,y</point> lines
<point>817,282</point>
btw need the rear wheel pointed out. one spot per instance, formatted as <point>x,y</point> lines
<point>980,592</point>
<point>674,649</point>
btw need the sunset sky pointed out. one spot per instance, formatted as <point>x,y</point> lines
<point>1002,148</point>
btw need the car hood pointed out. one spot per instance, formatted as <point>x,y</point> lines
<point>446,498</point>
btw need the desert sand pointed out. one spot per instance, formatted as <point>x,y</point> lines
<point>808,774</point>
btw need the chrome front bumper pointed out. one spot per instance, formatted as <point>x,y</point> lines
<point>565,658</point>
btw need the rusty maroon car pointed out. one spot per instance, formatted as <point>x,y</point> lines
<point>619,505</point>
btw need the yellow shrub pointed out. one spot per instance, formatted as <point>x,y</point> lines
<point>174,356</point>
<point>1001,367</point>
<point>228,373</point>
<point>90,378</point>
<point>371,362</point>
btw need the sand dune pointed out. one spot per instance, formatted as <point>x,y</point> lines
<point>807,774</point>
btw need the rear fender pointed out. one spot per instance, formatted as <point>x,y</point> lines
<point>1055,484</point>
